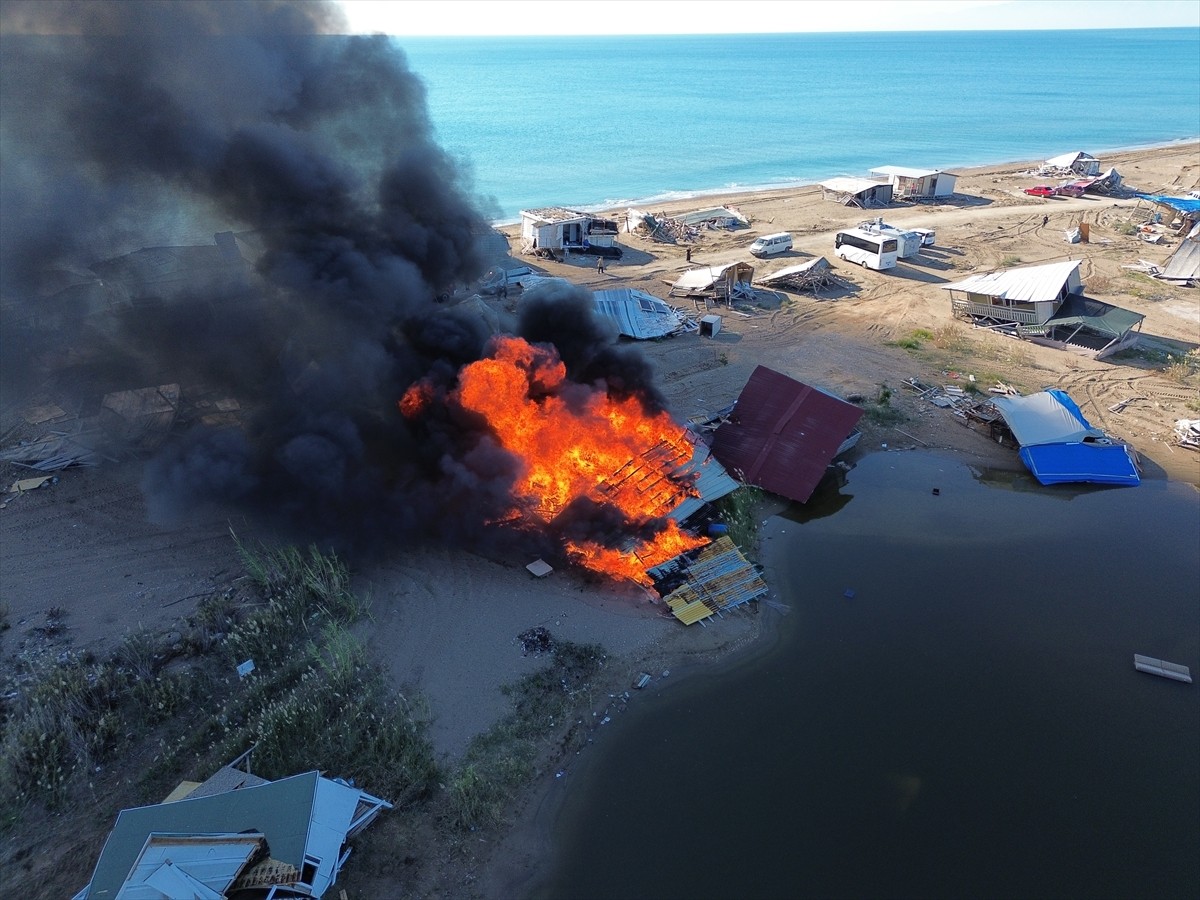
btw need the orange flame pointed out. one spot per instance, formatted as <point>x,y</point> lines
<point>578,442</point>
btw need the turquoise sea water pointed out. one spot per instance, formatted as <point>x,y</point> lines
<point>600,121</point>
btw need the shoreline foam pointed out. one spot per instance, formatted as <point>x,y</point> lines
<point>671,198</point>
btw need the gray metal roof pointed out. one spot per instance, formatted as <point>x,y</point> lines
<point>1184,264</point>
<point>280,810</point>
<point>1030,284</point>
<point>707,215</point>
<point>638,314</point>
<point>704,278</point>
<point>712,481</point>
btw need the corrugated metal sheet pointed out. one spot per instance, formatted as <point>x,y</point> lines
<point>851,185</point>
<point>703,279</point>
<point>716,213</point>
<point>905,172</point>
<point>638,314</point>
<point>212,860</point>
<point>719,578</point>
<point>1028,284</point>
<point>819,264</point>
<point>1184,264</point>
<point>782,434</point>
<point>712,481</point>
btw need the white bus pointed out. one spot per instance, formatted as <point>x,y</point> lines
<point>875,251</point>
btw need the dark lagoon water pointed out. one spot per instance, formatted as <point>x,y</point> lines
<point>969,724</point>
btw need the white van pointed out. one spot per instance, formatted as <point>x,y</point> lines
<point>770,244</point>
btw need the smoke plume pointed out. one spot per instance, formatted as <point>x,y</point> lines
<point>129,125</point>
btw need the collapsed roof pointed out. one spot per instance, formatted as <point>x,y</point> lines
<point>1059,445</point>
<point>640,315</point>
<point>782,434</point>
<point>304,819</point>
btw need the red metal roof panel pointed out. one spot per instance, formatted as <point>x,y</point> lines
<point>782,434</point>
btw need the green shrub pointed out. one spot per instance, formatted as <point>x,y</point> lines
<point>503,758</point>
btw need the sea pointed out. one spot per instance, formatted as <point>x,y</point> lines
<point>947,706</point>
<point>604,122</point>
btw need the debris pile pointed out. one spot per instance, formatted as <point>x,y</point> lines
<point>973,408</point>
<point>808,277</point>
<point>667,230</point>
<point>1187,433</point>
<point>535,640</point>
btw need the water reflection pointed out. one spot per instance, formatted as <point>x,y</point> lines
<point>828,498</point>
<point>968,723</point>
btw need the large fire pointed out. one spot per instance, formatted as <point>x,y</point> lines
<point>578,444</point>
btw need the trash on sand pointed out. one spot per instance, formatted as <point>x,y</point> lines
<point>29,484</point>
<point>539,568</point>
<point>848,594</point>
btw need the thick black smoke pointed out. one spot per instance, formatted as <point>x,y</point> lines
<point>126,125</point>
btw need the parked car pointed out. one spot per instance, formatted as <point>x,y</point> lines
<point>1042,190</point>
<point>1070,190</point>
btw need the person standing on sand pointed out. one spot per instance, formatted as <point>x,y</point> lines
<point>599,265</point>
<point>689,254</point>
<point>1045,221</point>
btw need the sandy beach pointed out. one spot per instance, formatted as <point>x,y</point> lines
<point>445,621</point>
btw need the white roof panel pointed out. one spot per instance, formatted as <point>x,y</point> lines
<point>851,185</point>
<point>1030,284</point>
<point>1042,418</point>
<point>905,172</point>
<point>1068,159</point>
<point>637,314</point>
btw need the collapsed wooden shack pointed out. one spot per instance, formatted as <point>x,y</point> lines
<point>861,192</point>
<point>684,228</point>
<point>808,277</point>
<point>715,284</point>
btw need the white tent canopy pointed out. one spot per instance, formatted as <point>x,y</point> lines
<point>1043,419</point>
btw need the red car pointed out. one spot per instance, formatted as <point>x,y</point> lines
<point>1042,190</point>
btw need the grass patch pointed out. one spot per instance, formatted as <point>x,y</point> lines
<point>1180,366</point>
<point>914,340</point>
<point>313,701</point>
<point>739,511</point>
<point>1009,261</point>
<point>881,412</point>
<point>502,759</point>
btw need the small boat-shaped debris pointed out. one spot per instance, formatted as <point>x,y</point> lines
<point>1164,669</point>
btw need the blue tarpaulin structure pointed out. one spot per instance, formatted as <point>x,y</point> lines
<point>1185,205</point>
<point>1059,445</point>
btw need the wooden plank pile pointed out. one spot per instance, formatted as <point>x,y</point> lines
<point>808,277</point>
